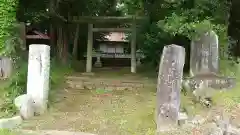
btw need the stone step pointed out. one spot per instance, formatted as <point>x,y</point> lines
<point>119,79</point>
<point>104,85</point>
<point>10,123</point>
<point>88,83</point>
<point>50,132</point>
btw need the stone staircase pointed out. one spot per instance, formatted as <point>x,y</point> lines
<point>91,83</point>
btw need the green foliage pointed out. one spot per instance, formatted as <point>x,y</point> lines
<point>32,11</point>
<point>170,18</point>
<point>178,25</point>
<point>17,84</point>
<point>131,6</point>
<point>152,41</point>
<point>57,73</point>
<point>7,18</point>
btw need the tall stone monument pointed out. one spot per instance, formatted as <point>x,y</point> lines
<point>38,75</point>
<point>169,87</point>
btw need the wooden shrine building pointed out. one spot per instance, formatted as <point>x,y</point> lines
<point>132,20</point>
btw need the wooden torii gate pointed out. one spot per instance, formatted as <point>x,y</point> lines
<point>109,19</point>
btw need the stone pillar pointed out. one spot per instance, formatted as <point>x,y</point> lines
<point>133,49</point>
<point>89,49</point>
<point>169,87</point>
<point>38,75</point>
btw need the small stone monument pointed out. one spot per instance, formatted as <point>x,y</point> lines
<point>204,68</point>
<point>204,54</point>
<point>38,75</point>
<point>5,67</point>
<point>10,123</point>
<point>169,87</point>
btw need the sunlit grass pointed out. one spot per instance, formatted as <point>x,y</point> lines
<point>6,132</point>
<point>229,98</point>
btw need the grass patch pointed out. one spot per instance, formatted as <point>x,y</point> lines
<point>6,132</point>
<point>124,112</point>
<point>13,87</point>
<point>57,74</point>
<point>229,98</point>
<point>17,85</point>
<point>189,106</point>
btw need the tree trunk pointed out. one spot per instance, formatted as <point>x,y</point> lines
<point>233,27</point>
<point>52,38</point>
<point>65,45</point>
<point>59,43</point>
<point>75,44</point>
<point>51,29</point>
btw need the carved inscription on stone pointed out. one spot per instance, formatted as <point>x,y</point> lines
<point>169,85</point>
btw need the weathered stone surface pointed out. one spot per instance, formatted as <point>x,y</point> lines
<point>169,86</point>
<point>227,128</point>
<point>204,54</point>
<point>212,125</point>
<point>216,131</point>
<point>38,75</point>
<point>98,63</point>
<point>198,120</point>
<point>108,84</point>
<point>118,88</point>
<point>25,104</point>
<point>18,101</point>
<point>88,74</point>
<point>212,80</point>
<point>232,130</point>
<point>205,84</point>
<point>5,67</point>
<point>9,123</point>
<point>211,129</point>
<point>27,109</point>
<point>182,119</point>
<point>223,122</point>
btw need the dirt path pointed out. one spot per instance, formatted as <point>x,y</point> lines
<point>128,111</point>
<point>120,112</point>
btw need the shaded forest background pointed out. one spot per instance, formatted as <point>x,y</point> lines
<point>168,22</point>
